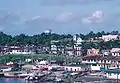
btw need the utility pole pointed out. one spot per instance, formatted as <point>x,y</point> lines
<point>117,73</point>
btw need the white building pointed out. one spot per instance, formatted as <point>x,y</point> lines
<point>110,37</point>
<point>115,49</point>
<point>117,53</point>
<point>48,31</point>
<point>93,51</point>
<point>108,62</point>
<point>74,38</point>
<point>54,49</point>
<point>77,46</point>
<point>113,74</point>
<point>78,50</point>
<point>79,41</point>
<point>19,50</point>
<point>72,68</point>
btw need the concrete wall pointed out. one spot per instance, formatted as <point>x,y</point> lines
<point>113,75</point>
<point>72,68</point>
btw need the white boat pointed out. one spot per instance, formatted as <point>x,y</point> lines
<point>17,74</point>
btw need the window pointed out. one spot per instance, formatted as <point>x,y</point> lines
<point>83,59</point>
<point>104,60</point>
<point>75,69</point>
<point>110,74</point>
<point>94,64</point>
<point>66,69</point>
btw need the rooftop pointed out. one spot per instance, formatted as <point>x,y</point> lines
<point>113,58</point>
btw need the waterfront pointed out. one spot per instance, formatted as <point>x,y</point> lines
<point>11,80</point>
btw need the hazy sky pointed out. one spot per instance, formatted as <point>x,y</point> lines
<point>62,16</point>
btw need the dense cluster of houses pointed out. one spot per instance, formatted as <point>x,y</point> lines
<point>52,49</point>
<point>75,49</point>
<point>107,60</point>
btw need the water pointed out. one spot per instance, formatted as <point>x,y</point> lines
<point>17,80</point>
<point>11,80</point>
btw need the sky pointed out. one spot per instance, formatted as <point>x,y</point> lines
<point>61,16</point>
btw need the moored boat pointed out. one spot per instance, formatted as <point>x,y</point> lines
<point>1,74</point>
<point>16,74</point>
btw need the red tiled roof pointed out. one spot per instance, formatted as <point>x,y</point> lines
<point>90,55</point>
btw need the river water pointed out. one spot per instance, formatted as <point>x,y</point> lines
<point>11,80</point>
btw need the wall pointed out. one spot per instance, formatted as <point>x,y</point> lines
<point>72,68</point>
<point>112,75</point>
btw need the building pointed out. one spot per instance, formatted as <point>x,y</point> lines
<point>20,50</point>
<point>116,53</point>
<point>93,51</point>
<point>48,31</point>
<point>72,68</point>
<point>107,62</point>
<point>113,74</point>
<point>77,45</point>
<point>115,49</point>
<point>69,50</point>
<point>54,49</point>
<point>77,50</point>
<point>76,67</point>
<point>110,37</point>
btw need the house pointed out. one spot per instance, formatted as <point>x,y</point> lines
<point>77,45</point>
<point>110,37</point>
<point>93,51</point>
<point>3,50</point>
<point>54,49</point>
<point>77,50</point>
<point>116,53</point>
<point>107,62</point>
<point>20,50</point>
<point>76,67</point>
<point>72,68</point>
<point>69,50</point>
<point>113,73</point>
<point>115,49</point>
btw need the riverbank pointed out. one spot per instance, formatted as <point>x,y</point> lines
<point>22,58</point>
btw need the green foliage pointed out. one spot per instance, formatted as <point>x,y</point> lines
<point>8,58</point>
<point>22,39</point>
<point>64,39</point>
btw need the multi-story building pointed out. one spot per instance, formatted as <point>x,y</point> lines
<point>107,62</point>
<point>93,51</point>
<point>77,50</point>
<point>20,50</point>
<point>54,49</point>
<point>110,37</point>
